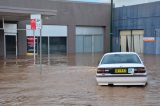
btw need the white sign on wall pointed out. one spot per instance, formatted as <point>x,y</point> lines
<point>10,29</point>
<point>89,30</point>
<point>48,30</point>
<point>38,19</point>
<point>148,39</point>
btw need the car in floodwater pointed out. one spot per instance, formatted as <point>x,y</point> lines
<point>121,68</point>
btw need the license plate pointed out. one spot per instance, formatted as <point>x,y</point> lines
<point>120,71</point>
<point>130,70</point>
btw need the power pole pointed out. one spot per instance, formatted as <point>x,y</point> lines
<point>111,25</point>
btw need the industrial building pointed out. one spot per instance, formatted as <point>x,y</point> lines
<point>137,28</point>
<point>78,27</point>
<point>67,27</point>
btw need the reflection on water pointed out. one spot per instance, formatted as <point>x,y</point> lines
<point>84,59</point>
<point>128,96</point>
<point>56,59</point>
<point>69,80</point>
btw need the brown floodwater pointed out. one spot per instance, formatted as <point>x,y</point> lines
<point>69,80</point>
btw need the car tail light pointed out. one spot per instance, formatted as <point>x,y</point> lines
<point>140,70</point>
<point>102,70</point>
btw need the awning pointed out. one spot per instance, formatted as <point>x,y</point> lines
<point>18,14</point>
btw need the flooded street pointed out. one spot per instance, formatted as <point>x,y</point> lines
<point>70,81</point>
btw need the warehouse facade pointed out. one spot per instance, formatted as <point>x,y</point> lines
<point>68,27</point>
<point>137,28</point>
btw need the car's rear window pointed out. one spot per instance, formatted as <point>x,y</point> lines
<point>120,58</point>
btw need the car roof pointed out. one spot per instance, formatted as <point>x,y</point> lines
<point>120,53</point>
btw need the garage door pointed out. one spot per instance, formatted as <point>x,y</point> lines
<point>138,40</point>
<point>125,41</point>
<point>132,41</point>
<point>89,39</point>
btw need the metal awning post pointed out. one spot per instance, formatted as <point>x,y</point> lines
<point>16,46</point>
<point>37,39</point>
<point>4,46</point>
<point>48,50</point>
<point>41,49</point>
<point>4,40</point>
<point>34,47</point>
<point>93,41</point>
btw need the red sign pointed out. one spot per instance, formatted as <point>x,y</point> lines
<point>149,39</point>
<point>30,44</point>
<point>33,24</point>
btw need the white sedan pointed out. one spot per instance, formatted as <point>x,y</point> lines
<point>121,68</point>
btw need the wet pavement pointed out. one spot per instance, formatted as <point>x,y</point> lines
<point>70,81</point>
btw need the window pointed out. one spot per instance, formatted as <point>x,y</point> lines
<point>120,58</point>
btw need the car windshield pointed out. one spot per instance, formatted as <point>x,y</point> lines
<point>120,58</point>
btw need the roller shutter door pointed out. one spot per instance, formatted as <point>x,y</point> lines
<point>89,39</point>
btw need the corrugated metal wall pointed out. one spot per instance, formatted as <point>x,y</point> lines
<point>143,16</point>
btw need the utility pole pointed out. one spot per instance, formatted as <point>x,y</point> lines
<point>111,25</point>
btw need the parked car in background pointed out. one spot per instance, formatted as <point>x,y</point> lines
<point>121,68</point>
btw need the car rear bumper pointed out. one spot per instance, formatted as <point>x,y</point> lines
<point>122,80</point>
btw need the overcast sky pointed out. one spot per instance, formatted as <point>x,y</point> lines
<point>119,3</point>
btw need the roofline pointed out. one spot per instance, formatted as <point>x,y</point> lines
<point>138,4</point>
<point>27,10</point>
<point>84,2</point>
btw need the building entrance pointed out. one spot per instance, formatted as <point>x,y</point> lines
<point>10,42</point>
<point>56,45</point>
<point>54,39</point>
<point>132,41</point>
